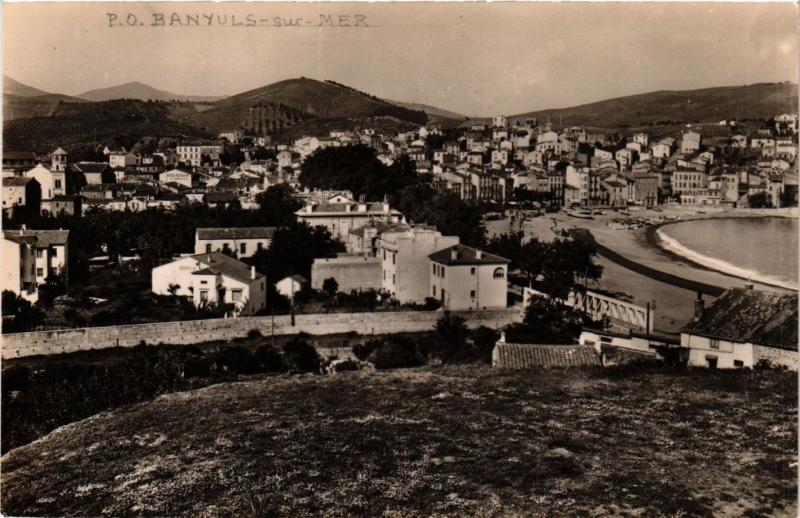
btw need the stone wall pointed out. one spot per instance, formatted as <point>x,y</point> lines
<point>776,356</point>
<point>18,345</point>
<point>352,272</point>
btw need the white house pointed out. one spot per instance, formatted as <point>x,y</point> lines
<point>198,152</point>
<point>39,254</point>
<point>290,285</point>
<point>405,267</point>
<point>464,278</point>
<point>743,327</point>
<point>178,176</point>
<point>245,241</point>
<point>213,278</point>
<point>341,218</point>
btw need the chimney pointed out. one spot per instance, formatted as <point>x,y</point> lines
<point>252,272</point>
<point>699,307</point>
<point>478,254</point>
<point>748,286</point>
<point>23,228</point>
<point>454,253</point>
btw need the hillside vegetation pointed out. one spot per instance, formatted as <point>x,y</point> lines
<point>19,107</point>
<point>72,125</point>
<point>317,99</point>
<point>757,101</point>
<point>450,441</point>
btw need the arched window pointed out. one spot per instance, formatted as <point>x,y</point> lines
<point>499,273</point>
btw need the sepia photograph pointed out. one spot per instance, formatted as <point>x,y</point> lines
<point>399,259</point>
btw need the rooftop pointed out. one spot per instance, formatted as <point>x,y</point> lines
<point>462,254</point>
<point>751,316</point>
<point>222,264</point>
<point>236,233</point>
<point>43,238</point>
<point>526,356</point>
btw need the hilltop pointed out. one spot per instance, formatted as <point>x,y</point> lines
<point>13,87</point>
<point>304,99</point>
<point>21,101</point>
<point>757,101</point>
<point>450,441</point>
<point>76,124</point>
<point>141,91</point>
<point>432,111</point>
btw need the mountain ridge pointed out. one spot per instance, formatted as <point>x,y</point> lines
<point>142,91</point>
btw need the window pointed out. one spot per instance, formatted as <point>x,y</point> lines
<point>39,253</point>
<point>393,278</point>
<point>472,294</point>
<point>39,272</point>
<point>58,184</point>
<point>739,364</point>
<point>226,248</point>
<point>434,269</point>
<point>243,248</point>
<point>384,255</point>
<point>54,252</point>
<point>499,273</point>
<point>384,275</point>
<point>203,282</point>
<point>259,246</point>
<point>208,249</point>
<point>434,291</point>
<point>472,271</point>
<point>236,295</point>
<point>714,343</point>
<point>394,255</point>
<point>203,295</point>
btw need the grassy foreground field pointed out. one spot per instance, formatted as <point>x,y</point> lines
<point>430,441</point>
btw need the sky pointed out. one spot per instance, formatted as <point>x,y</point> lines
<point>476,59</point>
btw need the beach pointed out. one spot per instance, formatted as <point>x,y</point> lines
<point>674,304</point>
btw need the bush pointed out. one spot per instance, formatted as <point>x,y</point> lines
<point>300,356</point>
<point>16,377</point>
<point>196,367</point>
<point>236,360</point>
<point>395,353</point>
<point>362,351</point>
<point>484,339</point>
<point>270,359</point>
<point>254,334</point>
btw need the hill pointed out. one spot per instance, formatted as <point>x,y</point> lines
<point>23,107</point>
<point>144,92</point>
<point>293,101</point>
<point>74,125</point>
<point>432,111</point>
<point>452,441</point>
<point>756,101</point>
<point>13,87</point>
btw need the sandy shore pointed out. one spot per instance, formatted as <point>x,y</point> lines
<point>674,305</point>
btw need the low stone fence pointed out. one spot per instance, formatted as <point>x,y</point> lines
<point>18,345</point>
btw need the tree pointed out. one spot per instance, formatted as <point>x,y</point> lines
<point>18,314</point>
<point>277,205</point>
<point>451,338</point>
<point>547,321</point>
<point>357,169</point>
<point>293,250</point>
<point>300,356</point>
<point>450,214</point>
<point>330,286</point>
<point>508,246</point>
<point>759,200</point>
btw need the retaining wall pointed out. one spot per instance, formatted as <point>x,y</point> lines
<point>18,345</point>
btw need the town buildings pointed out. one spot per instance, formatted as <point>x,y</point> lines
<point>341,218</point>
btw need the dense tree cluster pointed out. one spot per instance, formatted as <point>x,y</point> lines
<point>357,169</point>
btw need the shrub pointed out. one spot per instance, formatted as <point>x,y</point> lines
<point>236,360</point>
<point>16,377</point>
<point>396,352</point>
<point>362,351</point>
<point>300,356</point>
<point>270,359</point>
<point>484,339</point>
<point>254,334</point>
<point>196,367</point>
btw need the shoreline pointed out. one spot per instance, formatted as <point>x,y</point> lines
<point>673,248</point>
